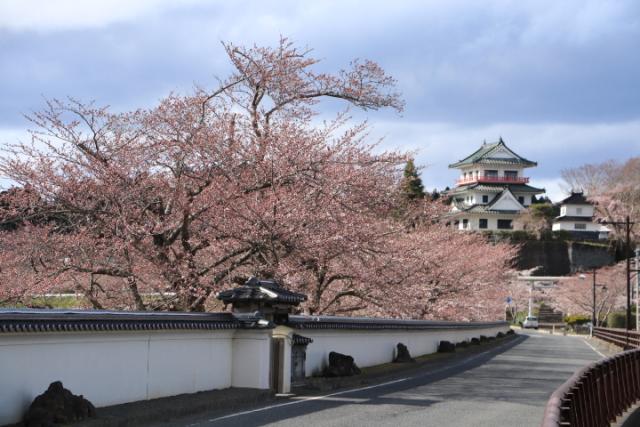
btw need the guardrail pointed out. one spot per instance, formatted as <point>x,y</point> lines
<point>600,392</point>
<point>620,337</point>
<point>597,394</point>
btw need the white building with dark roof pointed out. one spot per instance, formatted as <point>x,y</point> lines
<point>576,217</point>
<point>492,189</point>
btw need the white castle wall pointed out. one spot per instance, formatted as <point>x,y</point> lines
<point>110,368</point>
<point>114,367</point>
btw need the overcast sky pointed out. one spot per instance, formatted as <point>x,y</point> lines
<point>558,80</point>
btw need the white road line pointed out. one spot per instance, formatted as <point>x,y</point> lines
<point>308,399</point>
<point>593,348</point>
<point>353,390</point>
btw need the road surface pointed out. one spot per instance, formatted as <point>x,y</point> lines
<point>506,385</point>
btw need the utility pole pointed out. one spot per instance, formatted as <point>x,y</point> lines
<point>627,223</point>
<point>637,288</point>
<point>627,255</point>
<point>593,314</point>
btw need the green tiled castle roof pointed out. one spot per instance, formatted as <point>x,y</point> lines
<point>484,155</point>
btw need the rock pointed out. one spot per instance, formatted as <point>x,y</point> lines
<point>57,405</point>
<point>501,335</point>
<point>402,354</point>
<point>475,341</point>
<point>462,344</point>
<point>491,338</point>
<point>483,338</point>
<point>341,365</point>
<point>446,347</point>
<point>510,332</point>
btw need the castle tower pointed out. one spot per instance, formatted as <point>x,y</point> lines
<point>492,189</point>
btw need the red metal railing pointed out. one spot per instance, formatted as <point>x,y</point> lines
<point>489,178</point>
<point>601,391</point>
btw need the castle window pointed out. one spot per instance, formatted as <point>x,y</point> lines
<point>485,198</point>
<point>504,224</point>
<point>580,226</point>
<point>521,199</point>
<point>483,223</point>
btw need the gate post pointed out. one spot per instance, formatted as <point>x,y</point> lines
<point>281,359</point>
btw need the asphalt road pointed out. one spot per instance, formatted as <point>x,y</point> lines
<point>507,385</point>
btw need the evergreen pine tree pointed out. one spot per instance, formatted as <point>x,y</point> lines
<point>435,194</point>
<point>412,187</point>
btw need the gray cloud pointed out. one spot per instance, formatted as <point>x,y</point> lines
<point>558,80</point>
<point>554,146</point>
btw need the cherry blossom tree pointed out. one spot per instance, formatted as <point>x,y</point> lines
<point>614,186</point>
<point>161,208</point>
<point>575,295</point>
<point>204,184</point>
<point>415,267</point>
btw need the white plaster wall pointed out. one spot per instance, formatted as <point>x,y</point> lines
<point>492,223</point>
<point>569,226</point>
<point>572,210</point>
<point>526,196</point>
<point>112,367</point>
<point>371,347</point>
<point>251,359</point>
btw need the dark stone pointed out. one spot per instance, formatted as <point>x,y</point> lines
<point>483,338</point>
<point>500,335</point>
<point>559,257</point>
<point>402,354</point>
<point>510,332</point>
<point>341,365</point>
<point>551,255</point>
<point>446,347</point>
<point>491,338</point>
<point>475,341</point>
<point>462,344</point>
<point>57,405</point>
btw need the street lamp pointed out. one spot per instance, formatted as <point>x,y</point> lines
<point>627,223</point>
<point>593,311</point>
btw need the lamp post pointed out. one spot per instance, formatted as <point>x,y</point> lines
<point>627,223</point>
<point>594,319</point>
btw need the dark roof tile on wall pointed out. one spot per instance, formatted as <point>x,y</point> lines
<point>300,340</point>
<point>261,290</point>
<point>32,320</point>
<point>339,322</point>
<point>576,198</point>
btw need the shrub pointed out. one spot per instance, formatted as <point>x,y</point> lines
<point>562,235</point>
<point>522,236</point>
<point>577,319</point>
<point>616,320</point>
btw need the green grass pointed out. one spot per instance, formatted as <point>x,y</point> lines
<point>58,302</point>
